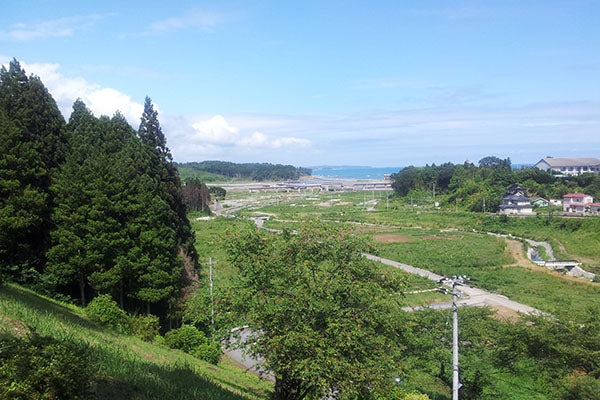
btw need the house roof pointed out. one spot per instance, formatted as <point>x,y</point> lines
<point>515,197</point>
<point>576,195</point>
<point>515,206</point>
<point>571,162</point>
<point>593,204</point>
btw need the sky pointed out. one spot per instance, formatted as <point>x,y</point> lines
<point>380,83</point>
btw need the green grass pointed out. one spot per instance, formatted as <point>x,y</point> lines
<point>126,367</point>
<point>447,254</point>
<point>209,243</point>
<point>479,256</point>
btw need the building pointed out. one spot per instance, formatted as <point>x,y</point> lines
<point>570,166</point>
<point>515,202</point>
<point>576,202</point>
<point>539,202</point>
<point>594,208</point>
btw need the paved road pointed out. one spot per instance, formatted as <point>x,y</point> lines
<point>473,296</point>
<point>254,364</point>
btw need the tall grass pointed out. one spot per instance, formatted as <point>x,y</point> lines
<point>126,367</point>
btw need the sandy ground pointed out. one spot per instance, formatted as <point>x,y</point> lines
<point>391,238</point>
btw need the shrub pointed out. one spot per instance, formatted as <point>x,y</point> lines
<point>145,327</point>
<point>105,310</point>
<point>39,367</point>
<point>160,340</point>
<point>210,352</point>
<point>193,341</point>
<point>186,338</point>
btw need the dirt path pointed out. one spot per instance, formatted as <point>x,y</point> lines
<point>515,249</point>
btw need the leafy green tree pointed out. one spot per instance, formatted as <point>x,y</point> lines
<point>325,317</point>
<point>405,180</point>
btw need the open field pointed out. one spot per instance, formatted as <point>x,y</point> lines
<point>209,236</point>
<point>443,242</point>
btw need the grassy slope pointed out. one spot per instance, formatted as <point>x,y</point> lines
<point>128,368</point>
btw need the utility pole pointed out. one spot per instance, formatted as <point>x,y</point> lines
<point>387,203</point>
<point>433,188</point>
<point>455,281</point>
<point>212,300</point>
<point>364,199</point>
<point>484,205</point>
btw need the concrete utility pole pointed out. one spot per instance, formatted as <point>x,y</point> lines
<point>484,205</point>
<point>455,281</point>
<point>212,300</point>
<point>433,188</point>
<point>387,203</point>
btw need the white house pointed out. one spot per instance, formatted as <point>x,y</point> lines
<point>570,166</point>
<point>515,202</point>
<point>576,202</point>
<point>594,208</point>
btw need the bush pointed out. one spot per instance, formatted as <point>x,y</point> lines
<point>186,338</point>
<point>105,310</point>
<point>145,327</point>
<point>160,340</point>
<point>210,352</point>
<point>194,342</point>
<point>39,367</point>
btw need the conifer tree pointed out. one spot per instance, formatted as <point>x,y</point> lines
<point>33,146</point>
<point>75,251</point>
<point>167,229</point>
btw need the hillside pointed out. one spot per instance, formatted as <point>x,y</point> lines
<point>124,366</point>
<point>222,171</point>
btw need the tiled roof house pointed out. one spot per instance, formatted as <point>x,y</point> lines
<point>576,202</point>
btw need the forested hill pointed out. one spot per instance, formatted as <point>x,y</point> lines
<point>211,171</point>
<point>89,206</point>
<point>466,185</point>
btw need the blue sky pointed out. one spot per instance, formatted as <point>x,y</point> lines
<point>382,83</point>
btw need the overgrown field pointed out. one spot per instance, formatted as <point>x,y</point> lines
<point>424,238</point>
<point>125,367</point>
<point>209,243</point>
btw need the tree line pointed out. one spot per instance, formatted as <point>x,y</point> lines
<point>90,205</point>
<point>467,184</point>
<point>252,171</point>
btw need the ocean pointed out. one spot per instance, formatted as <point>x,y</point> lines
<point>354,172</point>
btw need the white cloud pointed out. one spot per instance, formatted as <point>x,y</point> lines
<point>290,142</point>
<point>101,101</point>
<point>215,130</point>
<point>202,138</point>
<point>60,27</point>
<point>256,140</point>
<point>203,20</point>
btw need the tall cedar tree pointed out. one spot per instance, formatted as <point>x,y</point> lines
<point>93,191</point>
<point>168,229</point>
<point>33,145</point>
